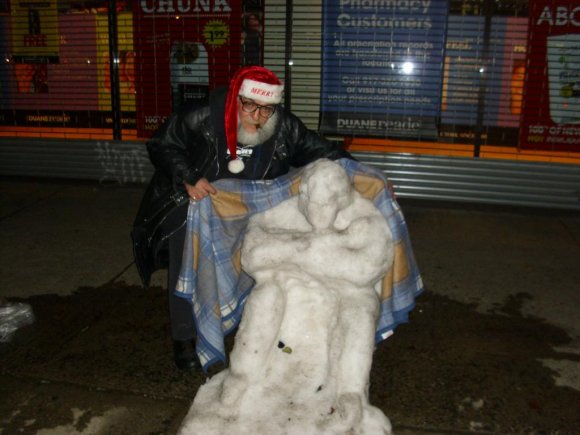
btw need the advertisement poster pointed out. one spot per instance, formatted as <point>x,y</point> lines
<point>127,55</point>
<point>35,31</point>
<point>551,108</point>
<point>463,74</point>
<point>5,68</point>
<point>35,43</point>
<point>185,49</point>
<point>72,82</point>
<point>512,72</point>
<point>73,91</point>
<point>69,95</point>
<point>382,71</point>
<point>57,94</point>
<point>127,79</point>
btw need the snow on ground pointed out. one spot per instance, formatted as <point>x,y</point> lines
<point>303,351</point>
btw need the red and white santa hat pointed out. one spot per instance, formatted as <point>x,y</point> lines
<point>253,82</point>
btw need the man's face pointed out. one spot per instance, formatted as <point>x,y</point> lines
<point>254,114</point>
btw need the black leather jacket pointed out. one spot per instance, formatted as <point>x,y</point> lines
<point>192,145</point>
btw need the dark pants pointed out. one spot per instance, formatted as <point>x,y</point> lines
<point>180,310</point>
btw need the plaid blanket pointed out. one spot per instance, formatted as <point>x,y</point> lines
<point>212,278</point>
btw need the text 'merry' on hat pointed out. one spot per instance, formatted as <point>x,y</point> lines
<point>256,83</point>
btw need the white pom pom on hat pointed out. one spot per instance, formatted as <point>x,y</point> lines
<point>256,83</point>
<point>235,166</point>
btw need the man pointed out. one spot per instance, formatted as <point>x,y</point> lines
<point>243,133</point>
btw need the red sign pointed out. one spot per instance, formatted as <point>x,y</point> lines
<point>184,50</point>
<point>551,107</point>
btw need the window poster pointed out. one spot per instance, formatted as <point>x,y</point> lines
<point>184,49</point>
<point>35,43</point>
<point>48,90</point>
<point>72,84</point>
<point>464,72</point>
<point>64,85</point>
<point>126,56</point>
<point>512,71</point>
<point>382,71</point>
<point>34,31</point>
<point>551,107</point>
<point>461,70</point>
<point>5,69</point>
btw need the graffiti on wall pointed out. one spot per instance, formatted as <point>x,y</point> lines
<point>123,163</point>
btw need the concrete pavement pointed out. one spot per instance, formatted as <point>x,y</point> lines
<point>492,347</point>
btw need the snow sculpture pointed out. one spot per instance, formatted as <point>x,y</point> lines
<point>303,351</point>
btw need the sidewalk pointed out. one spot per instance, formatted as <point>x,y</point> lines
<point>493,345</point>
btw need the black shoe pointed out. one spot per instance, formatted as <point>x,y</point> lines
<point>185,356</point>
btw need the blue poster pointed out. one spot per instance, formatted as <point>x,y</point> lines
<point>473,85</point>
<point>462,70</point>
<point>382,67</point>
<point>465,69</point>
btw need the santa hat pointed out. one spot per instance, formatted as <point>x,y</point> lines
<point>256,83</point>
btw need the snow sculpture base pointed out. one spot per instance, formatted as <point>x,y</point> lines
<point>303,351</point>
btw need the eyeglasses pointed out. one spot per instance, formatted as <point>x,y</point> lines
<point>249,106</point>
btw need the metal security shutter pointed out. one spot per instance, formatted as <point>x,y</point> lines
<point>422,177</point>
<point>298,59</point>
<point>481,181</point>
<point>104,161</point>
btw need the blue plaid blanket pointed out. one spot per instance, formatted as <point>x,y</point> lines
<point>212,278</point>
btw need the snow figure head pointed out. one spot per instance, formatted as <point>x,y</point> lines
<point>325,189</point>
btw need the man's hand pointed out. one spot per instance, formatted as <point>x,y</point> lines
<point>201,189</point>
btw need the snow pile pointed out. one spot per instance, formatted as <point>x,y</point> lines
<point>303,351</point>
<point>13,317</point>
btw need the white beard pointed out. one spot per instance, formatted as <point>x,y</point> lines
<point>261,135</point>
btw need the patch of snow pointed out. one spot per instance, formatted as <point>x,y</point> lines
<point>568,372</point>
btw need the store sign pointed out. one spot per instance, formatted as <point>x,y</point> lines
<point>382,67</point>
<point>181,6</point>
<point>551,107</point>
<point>184,48</point>
<point>559,16</point>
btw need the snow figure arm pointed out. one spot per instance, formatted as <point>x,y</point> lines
<point>275,239</point>
<point>359,254</point>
